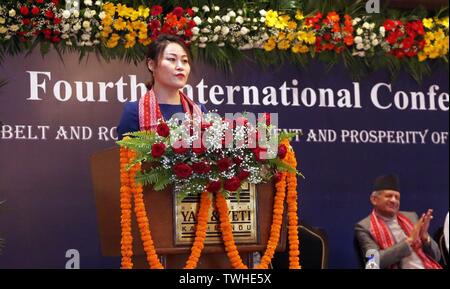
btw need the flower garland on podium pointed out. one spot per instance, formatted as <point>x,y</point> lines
<point>211,171</point>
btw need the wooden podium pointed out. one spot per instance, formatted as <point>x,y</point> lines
<point>105,169</point>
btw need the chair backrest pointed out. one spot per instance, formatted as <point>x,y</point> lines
<point>313,250</point>
<point>440,239</point>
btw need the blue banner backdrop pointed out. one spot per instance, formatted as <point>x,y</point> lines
<point>56,114</point>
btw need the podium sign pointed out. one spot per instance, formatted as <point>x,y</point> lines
<point>242,213</point>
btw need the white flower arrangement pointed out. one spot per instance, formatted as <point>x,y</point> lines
<point>241,28</point>
<point>367,37</point>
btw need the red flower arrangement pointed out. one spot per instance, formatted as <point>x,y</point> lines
<point>404,39</point>
<point>331,34</point>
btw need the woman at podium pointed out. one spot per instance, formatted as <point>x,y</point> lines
<point>169,63</point>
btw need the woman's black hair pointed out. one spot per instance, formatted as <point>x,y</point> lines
<point>157,47</point>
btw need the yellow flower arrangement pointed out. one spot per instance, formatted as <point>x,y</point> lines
<point>436,39</point>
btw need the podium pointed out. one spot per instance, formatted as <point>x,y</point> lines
<point>105,172</point>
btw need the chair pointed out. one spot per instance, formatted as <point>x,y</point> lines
<point>313,250</point>
<point>440,240</point>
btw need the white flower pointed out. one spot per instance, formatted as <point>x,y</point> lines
<point>195,30</point>
<point>205,30</point>
<point>375,42</point>
<point>359,31</point>
<point>244,30</point>
<point>262,13</point>
<point>254,27</point>
<point>366,25</point>
<point>75,4</point>
<point>239,20</point>
<point>367,47</point>
<point>98,3</point>
<point>202,45</point>
<point>205,8</point>
<point>203,39</point>
<point>76,13</point>
<point>217,18</point>
<point>209,20</point>
<point>357,19</point>
<point>226,18</point>
<point>69,43</point>
<point>76,27</point>
<point>382,30</point>
<point>225,30</point>
<point>85,36</point>
<point>96,41</point>
<point>197,20</point>
<point>221,44</point>
<point>102,15</point>
<point>373,36</point>
<point>358,39</point>
<point>86,24</point>
<point>215,38</point>
<point>64,36</point>
<point>195,9</point>
<point>359,46</point>
<point>14,27</point>
<point>255,20</point>
<point>216,8</point>
<point>217,29</point>
<point>66,27</point>
<point>262,20</point>
<point>87,13</point>
<point>239,12</point>
<point>66,14</point>
<point>88,2</point>
<point>3,29</point>
<point>7,37</point>
<point>232,13</point>
<point>372,25</point>
<point>2,20</point>
<point>12,13</point>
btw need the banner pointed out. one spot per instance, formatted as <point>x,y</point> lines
<point>55,113</point>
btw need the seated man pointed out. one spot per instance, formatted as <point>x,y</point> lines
<point>401,238</point>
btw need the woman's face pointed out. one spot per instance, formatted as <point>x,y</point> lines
<point>173,68</point>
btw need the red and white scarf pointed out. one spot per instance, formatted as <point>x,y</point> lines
<point>384,239</point>
<point>150,112</point>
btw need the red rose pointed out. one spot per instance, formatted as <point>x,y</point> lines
<point>178,11</point>
<point>56,2</point>
<point>277,177</point>
<point>49,14</point>
<point>213,187</point>
<point>56,21</point>
<point>224,164</point>
<point>25,21</point>
<point>282,151</point>
<point>191,24</point>
<point>158,150</point>
<point>35,10</point>
<point>40,1</point>
<point>232,184</point>
<point>190,12</point>
<point>156,10</point>
<point>327,37</point>
<point>188,33</point>
<point>389,24</point>
<point>242,175</point>
<point>24,10</point>
<point>201,168</point>
<point>163,129</point>
<point>182,170</point>
<point>180,147</point>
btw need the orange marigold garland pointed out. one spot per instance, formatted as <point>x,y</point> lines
<point>200,234</point>
<point>277,220</point>
<point>126,242</point>
<point>294,252</point>
<point>129,188</point>
<point>227,233</point>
